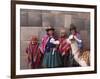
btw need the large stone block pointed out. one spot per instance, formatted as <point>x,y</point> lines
<point>24,62</point>
<point>23,17</point>
<point>59,20</point>
<point>68,20</point>
<point>86,38</point>
<point>23,46</point>
<point>28,32</point>
<point>79,23</point>
<point>48,19</point>
<point>31,17</point>
<point>34,19</point>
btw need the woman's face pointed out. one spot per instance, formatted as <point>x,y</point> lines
<point>72,31</point>
<point>62,34</point>
<point>50,32</point>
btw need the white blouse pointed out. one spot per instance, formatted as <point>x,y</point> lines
<point>53,41</point>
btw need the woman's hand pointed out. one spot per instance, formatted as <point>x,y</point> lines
<point>71,37</point>
<point>78,40</point>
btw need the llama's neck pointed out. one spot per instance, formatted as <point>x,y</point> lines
<point>74,47</point>
<point>75,52</point>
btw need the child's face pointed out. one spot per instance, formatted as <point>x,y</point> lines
<point>50,32</point>
<point>34,42</point>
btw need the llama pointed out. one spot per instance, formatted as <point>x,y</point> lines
<point>82,58</point>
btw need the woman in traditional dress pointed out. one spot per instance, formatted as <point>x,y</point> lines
<point>74,35</point>
<point>52,58</point>
<point>34,54</point>
<point>64,48</point>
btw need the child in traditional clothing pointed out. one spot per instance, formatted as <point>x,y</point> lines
<point>34,54</point>
<point>75,36</point>
<point>52,57</point>
<point>64,48</point>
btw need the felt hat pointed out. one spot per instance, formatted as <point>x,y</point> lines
<point>50,28</point>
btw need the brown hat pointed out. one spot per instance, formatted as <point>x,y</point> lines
<point>50,28</point>
<point>72,27</point>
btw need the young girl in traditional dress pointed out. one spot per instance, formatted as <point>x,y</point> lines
<point>52,57</point>
<point>34,54</point>
<point>64,48</point>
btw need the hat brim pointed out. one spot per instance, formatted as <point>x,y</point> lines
<point>50,29</point>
